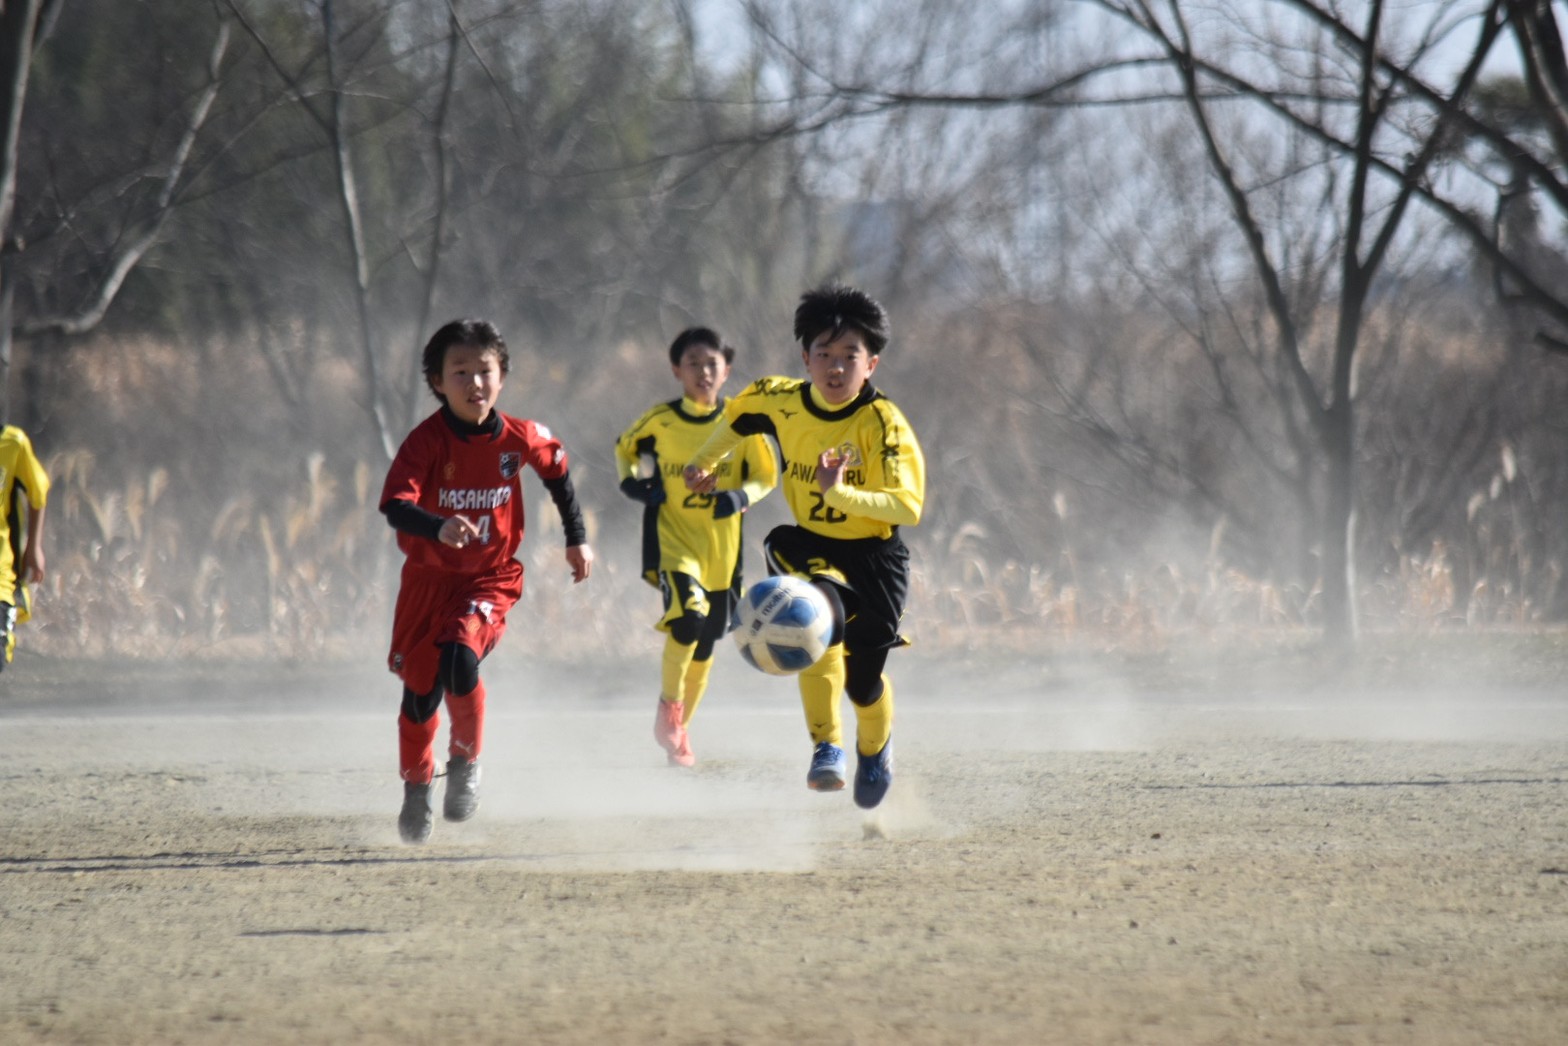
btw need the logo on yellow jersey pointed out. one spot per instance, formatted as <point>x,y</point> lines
<point>849,454</point>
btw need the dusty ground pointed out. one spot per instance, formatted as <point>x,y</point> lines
<point>1066,857</point>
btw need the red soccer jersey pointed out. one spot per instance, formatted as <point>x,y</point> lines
<point>479,477</point>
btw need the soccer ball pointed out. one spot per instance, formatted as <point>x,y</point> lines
<point>785,625</point>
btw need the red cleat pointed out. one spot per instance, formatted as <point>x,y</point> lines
<point>671,735</point>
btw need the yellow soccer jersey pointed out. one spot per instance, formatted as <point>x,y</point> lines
<point>19,468</point>
<point>689,540</point>
<point>884,485</point>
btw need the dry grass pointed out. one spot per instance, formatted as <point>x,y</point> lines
<point>308,573</point>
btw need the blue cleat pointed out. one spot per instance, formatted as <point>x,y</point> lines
<point>827,768</point>
<point>873,775</point>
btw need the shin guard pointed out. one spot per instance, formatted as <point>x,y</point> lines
<point>416,748</point>
<point>694,687</point>
<point>673,668</point>
<point>468,723</point>
<point>820,687</point>
<point>874,722</point>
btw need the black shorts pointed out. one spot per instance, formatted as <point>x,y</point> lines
<point>684,597</point>
<point>871,576</point>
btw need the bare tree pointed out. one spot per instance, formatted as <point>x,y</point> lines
<point>144,218</point>
<point>1379,98</point>
<point>19,24</point>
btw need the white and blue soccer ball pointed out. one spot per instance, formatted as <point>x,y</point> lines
<point>785,625</point>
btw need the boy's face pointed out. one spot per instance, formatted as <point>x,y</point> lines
<point>471,381</point>
<point>839,368</point>
<point>702,372</point>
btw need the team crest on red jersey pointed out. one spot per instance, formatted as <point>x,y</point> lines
<point>511,461</point>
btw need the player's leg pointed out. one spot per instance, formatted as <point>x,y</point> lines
<point>793,550</point>
<point>7,632</point>
<point>417,721</point>
<point>13,593</point>
<point>669,719</point>
<point>695,686</point>
<point>685,619</point>
<point>721,611</point>
<point>881,583</point>
<point>470,624</point>
<point>465,700</point>
<point>414,658</point>
<point>820,688</point>
<point>870,692</point>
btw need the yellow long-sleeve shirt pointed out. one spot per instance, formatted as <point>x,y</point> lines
<point>681,535</point>
<point>883,485</point>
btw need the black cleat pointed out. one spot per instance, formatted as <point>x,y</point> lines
<point>462,789</point>
<point>413,824</point>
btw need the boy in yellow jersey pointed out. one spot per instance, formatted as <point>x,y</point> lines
<point>22,481</point>
<point>853,473</point>
<point>691,543</point>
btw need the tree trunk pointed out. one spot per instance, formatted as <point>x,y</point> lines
<point>348,199</point>
<point>1339,530</point>
<point>18,20</point>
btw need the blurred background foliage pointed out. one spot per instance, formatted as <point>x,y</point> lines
<point>1113,451</point>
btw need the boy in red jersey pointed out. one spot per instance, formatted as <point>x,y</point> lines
<point>454,495</point>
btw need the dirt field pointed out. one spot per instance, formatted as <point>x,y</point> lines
<point>1067,856</point>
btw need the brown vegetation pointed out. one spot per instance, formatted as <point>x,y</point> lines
<point>192,516</point>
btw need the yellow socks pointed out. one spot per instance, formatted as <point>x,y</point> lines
<point>875,721</point>
<point>695,685</point>
<point>820,687</point>
<point>672,671</point>
<point>681,679</point>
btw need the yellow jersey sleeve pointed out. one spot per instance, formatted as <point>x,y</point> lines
<point>681,534</point>
<point>889,484</point>
<point>18,464</point>
<point>883,485</point>
<point>634,442</point>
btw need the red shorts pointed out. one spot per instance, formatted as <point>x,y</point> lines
<point>436,607</point>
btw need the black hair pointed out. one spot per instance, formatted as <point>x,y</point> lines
<point>833,308</point>
<point>699,336</point>
<point>474,334</point>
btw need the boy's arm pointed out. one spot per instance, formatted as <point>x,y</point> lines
<point>579,555</point>
<point>745,415</point>
<point>35,482</point>
<point>708,456</point>
<point>565,498</point>
<point>628,451</point>
<point>761,469</point>
<point>898,507</point>
<point>33,551</point>
<point>760,473</point>
<point>409,518</point>
<point>901,498</point>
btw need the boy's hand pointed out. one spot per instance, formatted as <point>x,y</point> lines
<point>649,491</point>
<point>32,566</point>
<point>580,559</point>
<point>700,481</point>
<point>830,469</point>
<point>458,531</point>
